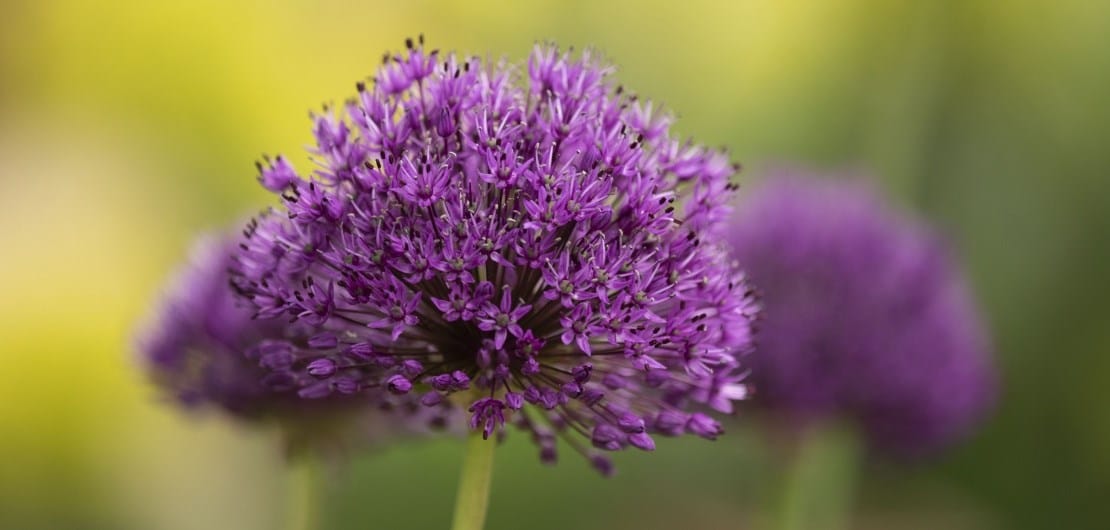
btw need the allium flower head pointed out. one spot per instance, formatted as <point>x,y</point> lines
<point>529,243</point>
<point>866,317</point>
<point>206,351</point>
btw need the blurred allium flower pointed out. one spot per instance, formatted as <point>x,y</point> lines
<point>540,248</point>
<point>205,350</point>
<point>866,317</point>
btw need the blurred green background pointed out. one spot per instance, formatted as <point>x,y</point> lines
<point>127,127</point>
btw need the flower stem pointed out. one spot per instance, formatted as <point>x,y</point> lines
<point>474,483</point>
<point>817,489</point>
<point>302,503</point>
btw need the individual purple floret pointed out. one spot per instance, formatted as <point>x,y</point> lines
<point>531,244</point>
<point>867,319</point>
<point>206,351</point>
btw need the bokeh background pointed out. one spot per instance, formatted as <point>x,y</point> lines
<point>127,127</point>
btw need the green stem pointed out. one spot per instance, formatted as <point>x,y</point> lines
<point>302,503</point>
<point>818,487</point>
<point>474,483</point>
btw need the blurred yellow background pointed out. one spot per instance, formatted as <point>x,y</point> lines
<point>128,127</point>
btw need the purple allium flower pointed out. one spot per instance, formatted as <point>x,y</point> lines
<point>531,240</point>
<point>866,319</point>
<point>205,349</point>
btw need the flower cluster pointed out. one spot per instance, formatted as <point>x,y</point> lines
<point>206,351</point>
<point>530,245</point>
<point>866,317</point>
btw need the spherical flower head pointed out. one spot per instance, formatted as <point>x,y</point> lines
<point>867,319</point>
<point>206,351</point>
<point>529,245</point>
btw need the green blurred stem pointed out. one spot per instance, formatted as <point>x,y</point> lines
<point>477,474</point>
<point>819,484</point>
<point>303,502</point>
